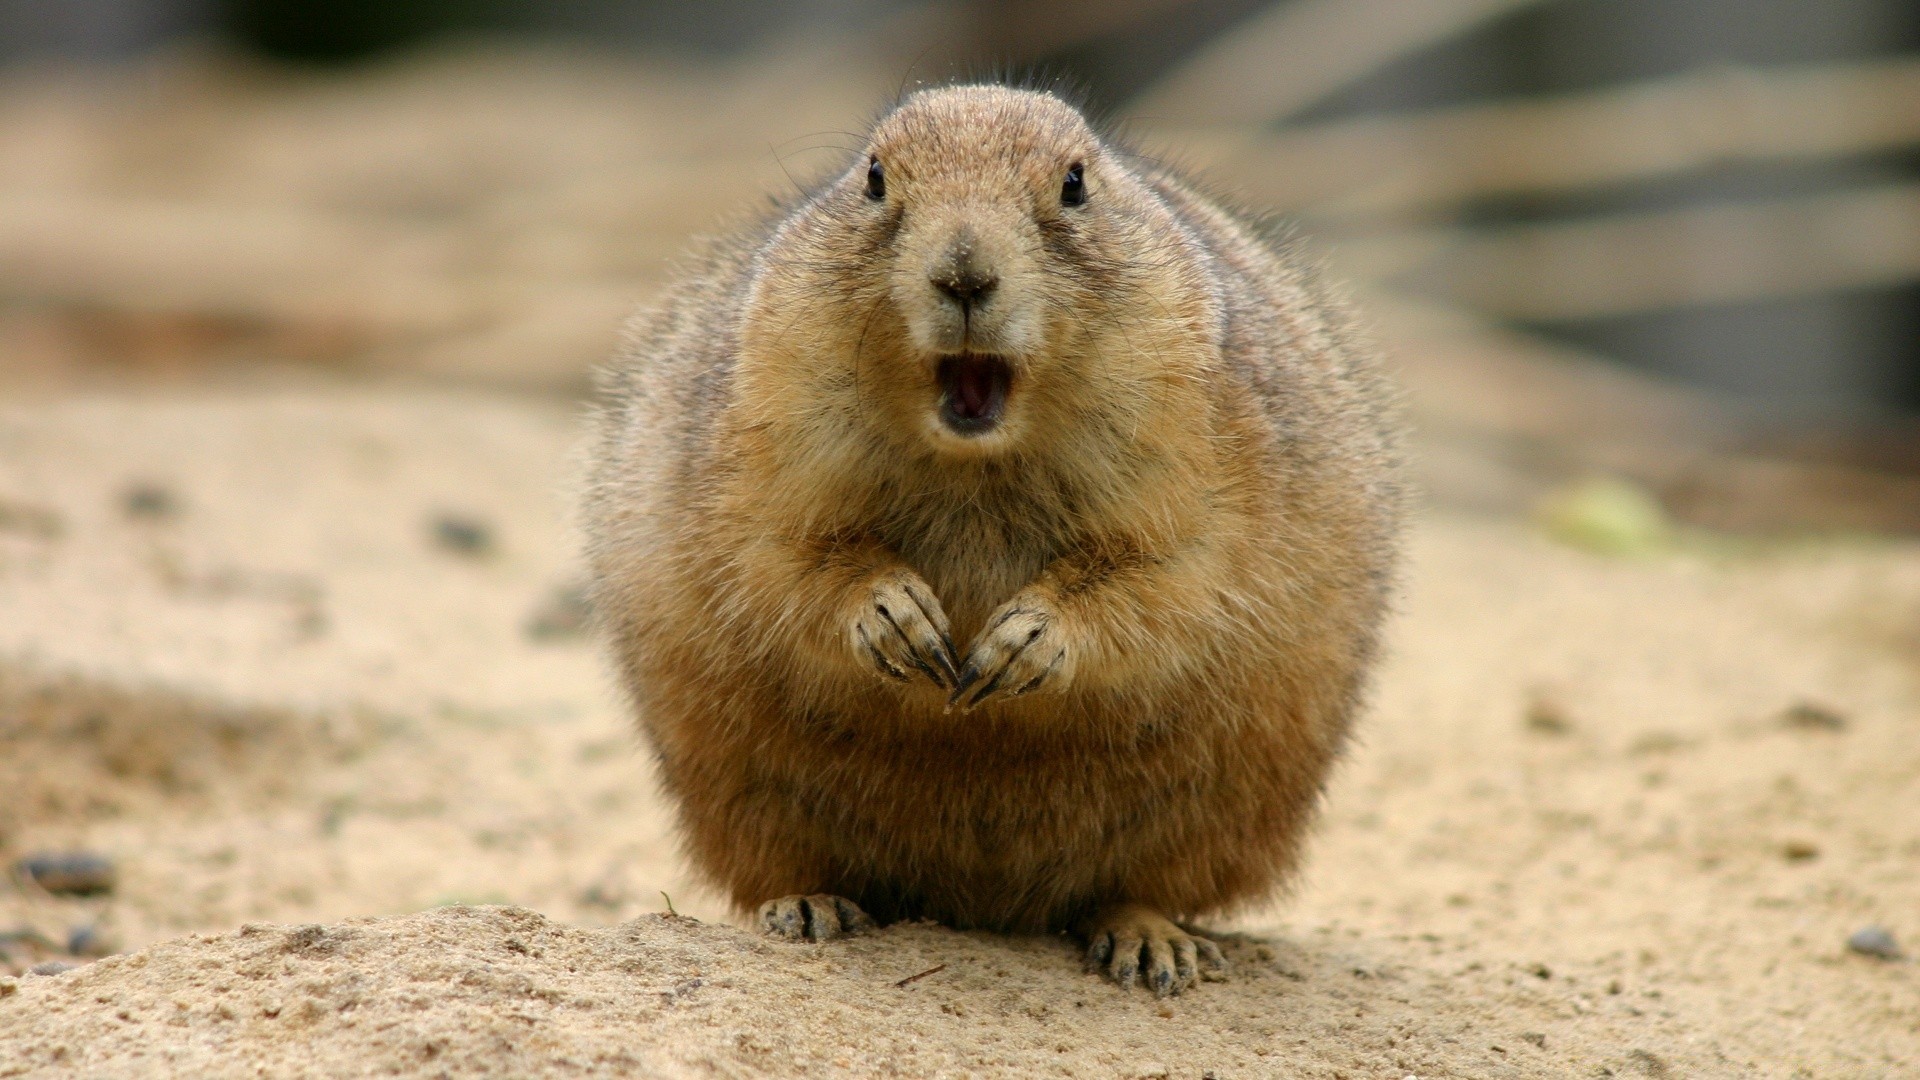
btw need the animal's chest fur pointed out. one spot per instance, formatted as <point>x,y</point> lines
<point>976,555</point>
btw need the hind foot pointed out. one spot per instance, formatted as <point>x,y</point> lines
<point>1133,942</point>
<point>819,917</point>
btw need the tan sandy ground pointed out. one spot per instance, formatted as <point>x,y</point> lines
<point>1581,835</point>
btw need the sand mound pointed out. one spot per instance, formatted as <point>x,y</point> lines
<point>497,991</point>
<point>1607,814</point>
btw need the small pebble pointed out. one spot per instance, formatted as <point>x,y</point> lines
<point>1800,850</point>
<point>35,521</point>
<point>69,873</point>
<point>564,614</point>
<point>468,536</point>
<point>1809,716</point>
<point>1657,742</point>
<point>1536,1038</point>
<point>1649,1063</point>
<point>1547,715</point>
<point>51,967</point>
<point>1875,941</point>
<point>87,941</point>
<point>149,500</point>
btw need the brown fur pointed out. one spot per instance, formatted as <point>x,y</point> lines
<point>1191,499</point>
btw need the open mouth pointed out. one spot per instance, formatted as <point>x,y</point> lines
<point>973,392</point>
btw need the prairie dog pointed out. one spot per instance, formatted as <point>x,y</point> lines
<point>997,533</point>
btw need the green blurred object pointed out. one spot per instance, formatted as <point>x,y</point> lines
<point>1607,515</point>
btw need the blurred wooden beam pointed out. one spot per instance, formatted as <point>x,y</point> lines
<point>1466,372</point>
<point>168,285</point>
<point>1023,29</point>
<point>265,263</point>
<point>1299,52</point>
<point>1505,417</point>
<point>1629,263</point>
<point>1407,163</point>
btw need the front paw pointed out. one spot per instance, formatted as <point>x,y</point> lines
<point>1131,942</point>
<point>820,917</point>
<point>1024,648</point>
<point>898,628</point>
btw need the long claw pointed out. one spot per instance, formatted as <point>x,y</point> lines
<point>968,676</point>
<point>913,651</point>
<point>1034,683</point>
<point>987,690</point>
<point>880,661</point>
<point>944,654</point>
<point>932,610</point>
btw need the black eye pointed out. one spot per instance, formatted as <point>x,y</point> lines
<point>1073,190</point>
<point>876,180</point>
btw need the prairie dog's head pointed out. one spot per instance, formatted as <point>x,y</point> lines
<point>990,257</point>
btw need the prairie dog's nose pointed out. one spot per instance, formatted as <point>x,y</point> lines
<point>961,275</point>
<point>968,286</point>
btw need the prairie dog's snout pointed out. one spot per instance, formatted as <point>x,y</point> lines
<point>964,285</point>
<point>973,329</point>
<point>964,276</point>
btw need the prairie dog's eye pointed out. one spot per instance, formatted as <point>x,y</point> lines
<point>876,179</point>
<point>1073,190</point>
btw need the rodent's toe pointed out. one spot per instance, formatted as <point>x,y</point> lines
<point>1162,973</point>
<point>879,659</point>
<point>819,917</point>
<point>1186,962</point>
<point>1125,966</point>
<point>1213,964</point>
<point>1133,944</point>
<point>1099,952</point>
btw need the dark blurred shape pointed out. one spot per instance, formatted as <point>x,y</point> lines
<point>344,31</point>
<point>1818,351</point>
<point>340,31</point>
<point>87,941</point>
<point>1809,716</point>
<point>36,521</point>
<point>149,500</point>
<point>1875,941</point>
<point>1104,51</point>
<point>69,873</point>
<point>465,535</point>
<point>1547,714</point>
<point>95,29</point>
<point>1800,851</point>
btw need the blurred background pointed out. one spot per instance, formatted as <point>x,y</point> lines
<point>299,302</point>
<point>1676,241</point>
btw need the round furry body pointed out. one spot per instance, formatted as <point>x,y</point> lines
<point>997,534</point>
